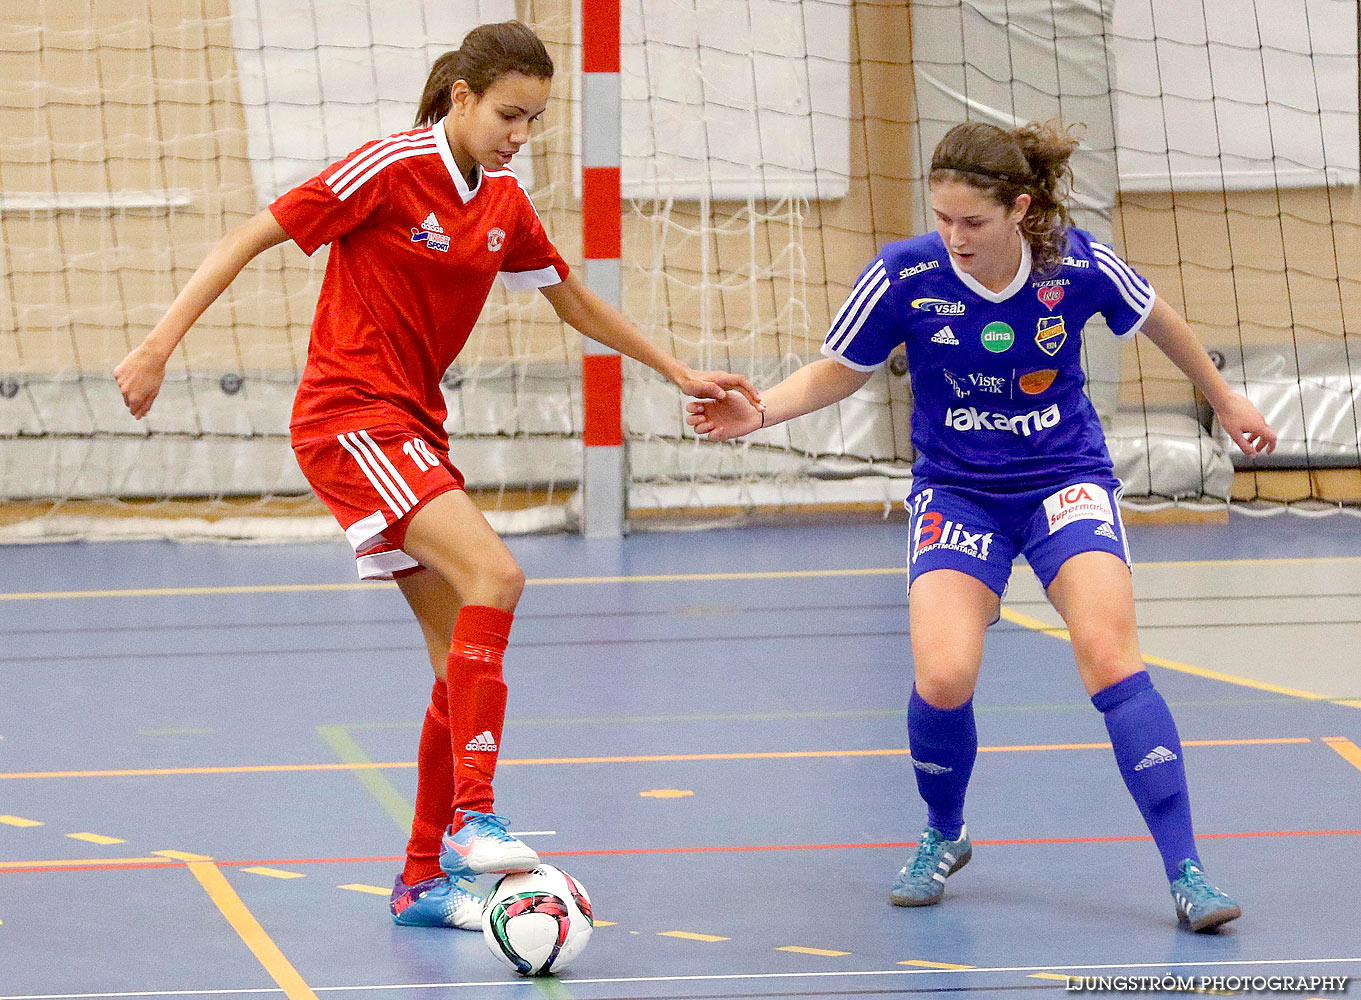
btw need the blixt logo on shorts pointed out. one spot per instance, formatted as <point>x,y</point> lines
<point>933,531</point>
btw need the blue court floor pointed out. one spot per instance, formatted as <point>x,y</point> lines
<point>206,771</point>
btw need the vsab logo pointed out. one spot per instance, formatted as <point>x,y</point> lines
<point>941,307</point>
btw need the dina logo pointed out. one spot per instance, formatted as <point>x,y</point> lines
<point>998,337</point>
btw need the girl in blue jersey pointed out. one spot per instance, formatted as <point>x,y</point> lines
<point>1011,460</point>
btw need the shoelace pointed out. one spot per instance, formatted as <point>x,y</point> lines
<point>1198,888</point>
<point>924,861</point>
<point>491,825</point>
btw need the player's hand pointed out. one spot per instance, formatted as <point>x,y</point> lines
<point>139,377</point>
<point>723,419</point>
<point>1245,424</point>
<point>715,385</point>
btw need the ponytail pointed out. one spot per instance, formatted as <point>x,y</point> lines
<point>488,52</point>
<point>1004,164</point>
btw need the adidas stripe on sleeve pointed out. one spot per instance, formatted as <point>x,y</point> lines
<point>860,336</point>
<point>1133,296</point>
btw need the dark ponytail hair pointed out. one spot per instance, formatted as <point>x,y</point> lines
<point>488,52</point>
<point>1006,163</point>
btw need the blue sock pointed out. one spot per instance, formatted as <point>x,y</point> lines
<point>944,744</point>
<point>1148,753</point>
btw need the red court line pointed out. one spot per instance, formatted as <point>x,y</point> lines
<point>47,866</point>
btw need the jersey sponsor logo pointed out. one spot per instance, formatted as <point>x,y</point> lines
<point>997,337</point>
<point>1050,296</point>
<point>934,532</point>
<point>945,336</point>
<point>966,418</point>
<point>431,224</point>
<point>1075,262</point>
<point>926,265</point>
<point>1050,334</point>
<point>995,384</point>
<point>956,383</point>
<point>1078,502</point>
<point>496,238</point>
<point>1034,383</point>
<point>941,307</point>
<point>435,241</point>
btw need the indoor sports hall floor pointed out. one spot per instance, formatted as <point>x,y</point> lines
<point>206,778</point>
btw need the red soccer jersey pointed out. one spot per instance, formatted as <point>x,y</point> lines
<point>413,257</point>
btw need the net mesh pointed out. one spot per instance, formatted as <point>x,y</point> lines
<point>770,148</point>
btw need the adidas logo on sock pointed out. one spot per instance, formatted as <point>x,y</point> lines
<point>944,336</point>
<point>1158,755</point>
<point>431,224</point>
<point>1105,531</point>
<point>482,741</point>
<point>929,768</point>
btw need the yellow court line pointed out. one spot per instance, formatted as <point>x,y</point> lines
<point>934,965</point>
<point>1034,624</point>
<point>182,856</point>
<point>565,581</point>
<point>82,862</point>
<point>273,872</point>
<point>823,952</point>
<point>1349,751</point>
<point>372,890</point>
<point>19,821</point>
<point>691,936</point>
<point>1049,975</point>
<point>96,838</point>
<point>631,759</point>
<point>222,894</point>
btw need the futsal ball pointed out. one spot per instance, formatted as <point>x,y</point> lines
<point>537,921</point>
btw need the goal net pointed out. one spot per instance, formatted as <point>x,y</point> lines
<point>770,147</point>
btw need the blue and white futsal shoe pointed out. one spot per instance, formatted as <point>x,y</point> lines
<point>483,846</point>
<point>922,880</point>
<point>435,902</point>
<point>1201,904</point>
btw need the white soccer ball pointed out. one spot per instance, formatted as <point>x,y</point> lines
<point>537,921</point>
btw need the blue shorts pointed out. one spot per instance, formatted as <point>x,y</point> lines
<point>980,533</point>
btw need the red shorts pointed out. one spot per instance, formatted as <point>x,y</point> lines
<point>373,480</point>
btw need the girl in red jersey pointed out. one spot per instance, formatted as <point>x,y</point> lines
<point>420,224</point>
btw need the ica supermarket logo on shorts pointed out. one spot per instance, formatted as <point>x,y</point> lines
<point>1078,502</point>
<point>997,337</point>
<point>966,418</point>
<point>495,239</point>
<point>941,307</point>
<point>431,234</point>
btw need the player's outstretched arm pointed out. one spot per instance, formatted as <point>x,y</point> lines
<point>580,308</point>
<point>1242,421</point>
<point>812,387</point>
<point>139,375</point>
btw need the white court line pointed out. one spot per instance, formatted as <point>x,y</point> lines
<point>712,978</point>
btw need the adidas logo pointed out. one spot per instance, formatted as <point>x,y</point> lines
<point>944,336</point>
<point>1158,755</point>
<point>1105,531</point>
<point>431,224</point>
<point>929,768</point>
<point>482,741</point>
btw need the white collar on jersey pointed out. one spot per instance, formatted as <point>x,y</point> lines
<point>1017,283</point>
<point>446,154</point>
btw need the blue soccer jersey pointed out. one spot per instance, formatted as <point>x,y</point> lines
<point>996,376</point>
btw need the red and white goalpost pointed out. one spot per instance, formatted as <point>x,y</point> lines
<point>604,459</point>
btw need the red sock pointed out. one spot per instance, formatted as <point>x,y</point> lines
<point>434,790</point>
<point>477,702</point>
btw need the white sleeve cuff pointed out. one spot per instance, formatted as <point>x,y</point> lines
<point>827,352</point>
<point>527,281</point>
